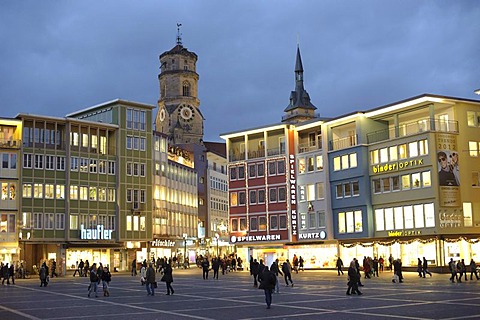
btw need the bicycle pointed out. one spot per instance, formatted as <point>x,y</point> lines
<point>22,274</point>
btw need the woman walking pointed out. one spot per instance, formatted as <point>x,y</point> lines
<point>106,278</point>
<point>168,278</point>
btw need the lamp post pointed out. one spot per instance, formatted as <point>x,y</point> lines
<point>184,248</point>
<point>217,236</point>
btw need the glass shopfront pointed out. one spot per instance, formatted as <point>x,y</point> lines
<point>92,255</point>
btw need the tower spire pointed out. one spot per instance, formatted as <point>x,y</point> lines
<point>179,35</point>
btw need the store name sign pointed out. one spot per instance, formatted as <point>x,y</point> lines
<point>405,233</point>
<point>267,237</point>
<point>396,166</point>
<point>163,243</point>
<point>95,234</point>
<point>313,235</point>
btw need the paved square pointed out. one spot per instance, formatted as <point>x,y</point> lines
<point>315,295</point>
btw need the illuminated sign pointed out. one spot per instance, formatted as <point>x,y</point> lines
<point>395,166</point>
<point>312,235</point>
<point>267,237</point>
<point>293,184</point>
<point>404,233</point>
<point>163,243</point>
<point>180,156</point>
<point>95,234</point>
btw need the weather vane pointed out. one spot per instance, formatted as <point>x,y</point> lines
<point>179,35</point>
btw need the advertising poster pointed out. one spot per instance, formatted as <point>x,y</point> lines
<point>448,170</point>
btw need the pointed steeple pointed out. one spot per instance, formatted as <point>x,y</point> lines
<point>300,108</point>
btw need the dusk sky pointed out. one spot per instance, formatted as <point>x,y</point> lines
<point>57,57</point>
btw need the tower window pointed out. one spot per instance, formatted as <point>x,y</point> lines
<point>186,89</point>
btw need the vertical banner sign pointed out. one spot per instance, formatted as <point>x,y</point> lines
<point>448,171</point>
<point>292,178</point>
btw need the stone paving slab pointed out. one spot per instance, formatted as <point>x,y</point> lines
<point>315,295</point>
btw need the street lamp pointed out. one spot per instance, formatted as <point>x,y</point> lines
<point>217,236</point>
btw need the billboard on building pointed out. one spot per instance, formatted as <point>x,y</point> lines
<point>448,170</point>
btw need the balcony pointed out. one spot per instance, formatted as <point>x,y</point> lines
<point>256,154</point>
<point>307,147</point>
<point>411,128</point>
<point>236,156</point>
<point>343,143</point>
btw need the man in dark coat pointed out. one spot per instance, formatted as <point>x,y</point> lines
<point>168,278</point>
<point>353,279</point>
<point>267,283</point>
<point>205,268</point>
<point>150,280</point>
<point>254,271</point>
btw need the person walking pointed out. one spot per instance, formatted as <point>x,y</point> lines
<point>473,269</point>
<point>94,280</point>
<point>425,268</point>
<point>275,269</point>
<point>106,278</point>
<point>86,268</point>
<point>205,268</point>
<point>81,264</point>
<point>453,270</point>
<point>339,266</point>
<point>43,274</point>
<point>6,274</point>
<point>381,261</point>
<point>12,273</point>
<point>461,270</point>
<point>134,267</point>
<point>397,270</point>
<point>353,279</point>
<point>168,278</point>
<point>295,263</point>
<point>150,281</point>
<point>216,266</point>
<point>375,267</point>
<point>267,283</point>
<point>420,267</point>
<point>254,266</point>
<point>143,271</point>
<point>301,263</point>
<point>287,272</point>
<point>390,261</point>
<point>54,268</point>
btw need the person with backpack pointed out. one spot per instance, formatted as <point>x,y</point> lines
<point>267,282</point>
<point>276,271</point>
<point>93,280</point>
<point>287,272</point>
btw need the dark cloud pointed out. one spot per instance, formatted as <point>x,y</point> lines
<point>61,56</point>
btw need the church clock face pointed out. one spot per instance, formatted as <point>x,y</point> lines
<point>162,114</point>
<point>186,112</point>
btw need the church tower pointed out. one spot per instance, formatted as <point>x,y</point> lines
<point>178,114</point>
<point>300,108</point>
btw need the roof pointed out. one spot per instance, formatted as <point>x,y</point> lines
<point>112,102</point>
<point>219,148</point>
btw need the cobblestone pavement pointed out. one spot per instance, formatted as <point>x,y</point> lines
<point>315,295</point>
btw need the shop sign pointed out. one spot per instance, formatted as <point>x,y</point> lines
<point>267,237</point>
<point>95,234</point>
<point>293,184</point>
<point>163,243</point>
<point>404,233</point>
<point>396,166</point>
<point>313,235</point>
